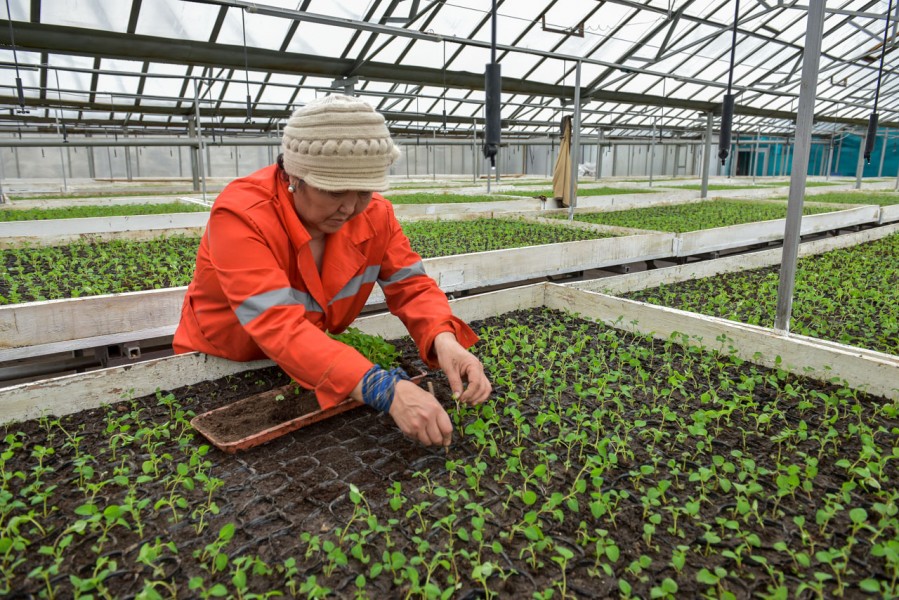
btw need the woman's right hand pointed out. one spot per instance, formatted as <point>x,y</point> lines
<point>419,416</point>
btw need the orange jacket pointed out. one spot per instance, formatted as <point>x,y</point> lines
<point>256,291</point>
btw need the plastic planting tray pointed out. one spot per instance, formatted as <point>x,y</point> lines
<point>265,416</point>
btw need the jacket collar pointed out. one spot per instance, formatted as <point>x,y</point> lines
<point>344,257</point>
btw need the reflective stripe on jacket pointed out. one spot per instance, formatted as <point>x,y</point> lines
<point>257,293</point>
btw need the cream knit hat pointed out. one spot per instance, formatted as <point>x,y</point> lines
<point>338,143</point>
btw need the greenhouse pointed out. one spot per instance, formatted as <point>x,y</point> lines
<point>635,332</point>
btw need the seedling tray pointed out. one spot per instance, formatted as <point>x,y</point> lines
<point>263,417</point>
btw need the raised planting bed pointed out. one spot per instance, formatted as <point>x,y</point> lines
<point>55,232</point>
<point>19,197</point>
<point>528,201</point>
<point>716,225</point>
<point>694,216</point>
<point>748,185</point>
<point>583,192</point>
<point>84,268</point>
<point>76,212</point>
<point>429,185</point>
<point>888,201</point>
<point>606,464</point>
<point>40,328</point>
<point>451,237</point>
<point>849,295</point>
<point>438,198</point>
<point>879,198</point>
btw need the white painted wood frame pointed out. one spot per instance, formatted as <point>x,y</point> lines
<point>873,372</point>
<point>41,328</point>
<point>630,282</point>
<point>14,234</point>
<point>736,236</point>
<point>889,214</point>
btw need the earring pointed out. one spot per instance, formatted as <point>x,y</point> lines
<point>290,188</point>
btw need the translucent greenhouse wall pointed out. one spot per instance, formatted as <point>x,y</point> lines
<point>883,164</point>
<point>430,158</point>
<point>774,157</point>
<point>617,159</point>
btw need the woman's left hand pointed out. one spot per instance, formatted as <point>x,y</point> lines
<point>459,364</point>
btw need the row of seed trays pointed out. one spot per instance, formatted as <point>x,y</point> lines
<point>607,463</point>
<point>887,200</point>
<point>719,224</point>
<point>34,274</point>
<point>85,268</point>
<point>144,218</point>
<point>848,295</point>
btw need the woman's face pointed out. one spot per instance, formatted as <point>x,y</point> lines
<point>325,212</point>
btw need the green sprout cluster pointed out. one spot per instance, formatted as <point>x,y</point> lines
<point>680,218</point>
<point>448,238</point>
<point>86,211</point>
<point>849,296</point>
<point>605,463</point>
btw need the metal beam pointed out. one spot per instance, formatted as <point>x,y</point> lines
<point>91,42</point>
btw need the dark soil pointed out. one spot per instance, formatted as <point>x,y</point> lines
<point>850,296</point>
<point>257,413</point>
<point>289,495</point>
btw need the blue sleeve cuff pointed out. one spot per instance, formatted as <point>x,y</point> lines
<point>378,386</point>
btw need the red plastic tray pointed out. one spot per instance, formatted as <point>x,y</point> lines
<point>201,421</point>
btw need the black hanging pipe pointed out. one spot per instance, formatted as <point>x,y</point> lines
<point>19,89</point>
<point>246,64</point>
<point>444,86</point>
<point>727,106</point>
<point>65,135</point>
<point>492,92</point>
<point>872,121</point>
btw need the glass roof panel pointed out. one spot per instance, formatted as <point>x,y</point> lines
<point>164,86</point>
<point>93,14</point>
<point>30,75</point>
<point>178,20</point>
<point>263,31</point>
<point>320,40</point>
<point>115,84</point>
<point>690,39</point>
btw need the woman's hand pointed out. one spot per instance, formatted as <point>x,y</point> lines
<point>461,365</point>
<point>419,416</point>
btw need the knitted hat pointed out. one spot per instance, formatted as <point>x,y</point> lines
<point>338,143</point>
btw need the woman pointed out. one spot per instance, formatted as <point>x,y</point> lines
<point>294,250</point>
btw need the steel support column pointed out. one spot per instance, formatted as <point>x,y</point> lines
<point>806,113</point>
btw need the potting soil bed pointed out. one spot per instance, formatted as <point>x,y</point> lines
<point>263,416</point>
<point>263,411</point>
<point>849,296</point>
<point>604,464</point>
<point>696,216</point>
<point>32,274</point>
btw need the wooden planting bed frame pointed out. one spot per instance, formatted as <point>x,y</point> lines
<point>631,282</point>
<point>50,232</point>
<point>889,214</point>
<point>41,328</point>
<point>873,372</point>
<point>691,243</point>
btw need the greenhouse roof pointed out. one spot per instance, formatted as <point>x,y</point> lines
<point>111,66</point>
